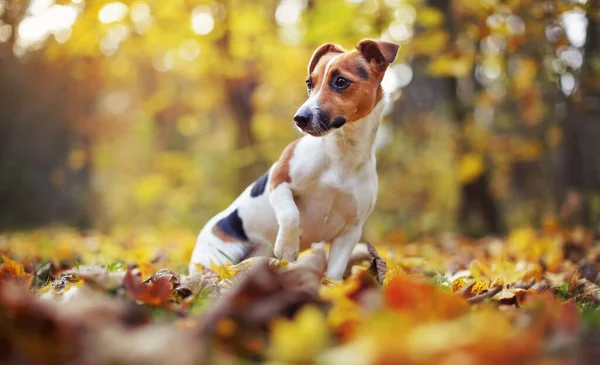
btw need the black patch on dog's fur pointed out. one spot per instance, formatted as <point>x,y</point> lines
<point>259,185</point>
<point>338,122</point>
<point>323,116</point>
<point>362,72</point>
<point>232,226</point>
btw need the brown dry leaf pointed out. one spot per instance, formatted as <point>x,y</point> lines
<point>556,279</point>
<point>510,296</point>
<point>247,310</point>
<point>588,270</point>
<point>540,286</point>
<point>100,276</point>
<point>32,333</point>
<point>365,291</point>
<point>306,273</point>
<point>171,276</point>
<point>378,267</point>
<point>589,290</point>
<point>251,262</point>
<point>194,284</point>
<point>14,271</point>
<point>522,284</point>
<point>97,275</point>
<point>487,295</point>
<point>157,344</point>
<point>45,273</point>
<point>155,293</point>
<point>92,308</point>
<point>466,291</point>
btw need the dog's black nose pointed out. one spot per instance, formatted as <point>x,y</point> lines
<point>302,119</point>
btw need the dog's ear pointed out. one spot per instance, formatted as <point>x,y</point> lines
<point>320,52</point>
<point>379,54</point>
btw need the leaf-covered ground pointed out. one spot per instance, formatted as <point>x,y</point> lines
<point>126,298</point>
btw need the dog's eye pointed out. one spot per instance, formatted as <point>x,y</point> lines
<point>308,85</point>
<point>341,83</point>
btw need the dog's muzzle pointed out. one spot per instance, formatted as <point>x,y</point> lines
<point>317,124</point>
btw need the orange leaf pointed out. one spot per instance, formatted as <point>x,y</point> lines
<point>12,270</point>
<point>155,293</point>
<point>422,299</point>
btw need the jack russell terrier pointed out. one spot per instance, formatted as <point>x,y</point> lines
<point>324,185</point>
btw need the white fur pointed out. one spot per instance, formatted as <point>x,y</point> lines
<point>333,190</point>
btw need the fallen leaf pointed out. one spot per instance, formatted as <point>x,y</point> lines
<point>378,267</point>
<point>251,262</point>
<point>589,290</point>
<point>419,298</point>
<point>253,302</point>
<point>300,339</point>
<point>588,270</point>
<point>167,274</point>
<point>194,284</point>
<point>155,293</point>
<point>13,271</point>
<point>466,291</point>
<point>540,286</point>
<point>156,344</point>
<point>522,284</point>
<point>306,273</point>
<point>510,296</point>
<point>484,296</point>
<point>32,333</point>
<point>45,274</point>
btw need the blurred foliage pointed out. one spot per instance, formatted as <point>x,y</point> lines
<point>173,107</point>
<point>126,298</point>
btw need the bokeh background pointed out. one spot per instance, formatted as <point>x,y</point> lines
<point>158,113</point>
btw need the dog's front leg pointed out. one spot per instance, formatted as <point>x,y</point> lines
<point>341,249</point>
<point>287,244</point>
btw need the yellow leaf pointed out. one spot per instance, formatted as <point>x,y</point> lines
<point>223,271</point>
<point>299,340</point>
<point>393,271</point>
<point>430,43</point>
<point>526,74</point>
<point>470,167</point>
<point>150,188</point>
<point>12,270</point>
<point>446,65</point>
<point>429,17</point>
<point>146,269</point>
<point>458,284</point>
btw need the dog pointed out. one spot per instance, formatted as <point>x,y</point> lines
<point>324,185</point>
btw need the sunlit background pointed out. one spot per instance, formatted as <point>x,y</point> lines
<point>158,113</point>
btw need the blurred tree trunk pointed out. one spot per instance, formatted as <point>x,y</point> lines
<point>426,93</point>
<point>38,127</point>
<point>476,198</point>
<point>239,91</point>
<point>239,95</point>
<point>39,182</point>
<point>581,131</point>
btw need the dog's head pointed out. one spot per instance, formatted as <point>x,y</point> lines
<point>343,86</point>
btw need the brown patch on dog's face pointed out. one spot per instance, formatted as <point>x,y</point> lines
<point>343,86</point>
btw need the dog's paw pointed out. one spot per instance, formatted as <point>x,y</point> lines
<point>287,252</point>
<point>287,245</point>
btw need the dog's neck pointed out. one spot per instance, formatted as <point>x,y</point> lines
<point>354,144</point>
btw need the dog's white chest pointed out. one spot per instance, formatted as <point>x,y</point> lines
<point>333,203</point>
